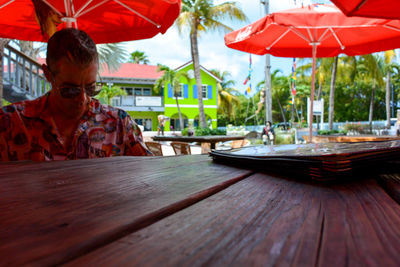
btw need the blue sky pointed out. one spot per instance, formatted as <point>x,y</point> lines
<point>173,50</point>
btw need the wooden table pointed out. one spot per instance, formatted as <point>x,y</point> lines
<point>207,142</point>
<point>189,211</point>
<point>350,138</point>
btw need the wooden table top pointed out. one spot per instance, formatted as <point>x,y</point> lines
<point>207,138</point>
<point>188,210</point>
<point>351,138</point>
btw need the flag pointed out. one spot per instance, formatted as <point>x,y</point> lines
<point>293,77</point>
<point>248,78</point>
<point>248,90</point>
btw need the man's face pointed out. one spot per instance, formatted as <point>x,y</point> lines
<point>67,76</point>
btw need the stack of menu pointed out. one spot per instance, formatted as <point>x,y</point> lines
<point>322,161</point>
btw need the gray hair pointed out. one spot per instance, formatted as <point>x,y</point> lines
<point>75,45</point>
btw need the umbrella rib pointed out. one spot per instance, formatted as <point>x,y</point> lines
<point>66,8</point>
<point>359,6</point>
<point>80,13</point>
<point>137,13</point>
<point>337,38</point>
<point>52,7</point>
<point>9,2</point>
<point>391,27</point>
<point>310,35</point>
<point>322,35</point>
<point>82,8</point>
<point>279,38</point>
<point>300,34</point>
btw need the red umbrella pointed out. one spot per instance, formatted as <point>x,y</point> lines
<point>315,31</point>
<point>104,20</point>
<point>388,9</point>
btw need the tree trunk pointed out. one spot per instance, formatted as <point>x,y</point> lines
<point>332,94</point>
<point>388,100</point>
<point>3,43</point>
<point>318,96</point>
<point>196,65</point>
<point>371,105</point>
<point>282,112</point>
<point>182,126</point>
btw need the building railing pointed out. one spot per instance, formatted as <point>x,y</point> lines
<point>137,101</point>
<point>24,72</point>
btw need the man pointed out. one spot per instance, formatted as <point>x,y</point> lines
<point>67,123</point>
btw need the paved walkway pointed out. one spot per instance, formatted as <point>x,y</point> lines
<point>168,150</point>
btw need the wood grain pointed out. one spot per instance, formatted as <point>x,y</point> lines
<point>269,221</point>
<point>54,212</point>
<point>391,184</point>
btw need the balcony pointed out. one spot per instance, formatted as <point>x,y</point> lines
<point>139,103</point>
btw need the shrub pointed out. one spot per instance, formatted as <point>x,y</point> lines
<point>283,139</point>
<point>208,131</point>
<point>357,128</point>
<point>184,132</point>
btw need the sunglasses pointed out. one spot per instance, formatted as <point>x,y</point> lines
<point>73,91</point>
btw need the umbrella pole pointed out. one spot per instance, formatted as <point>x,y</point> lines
<point>314,56</point>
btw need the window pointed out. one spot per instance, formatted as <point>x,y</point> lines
<point>128,90</point>
<point>146,91</point>
<point>204,90</point>
<point>142,91</point>
<point>175,124</point>
<point>146,123</point>
<point>180,92</point>
<point>138,91</point>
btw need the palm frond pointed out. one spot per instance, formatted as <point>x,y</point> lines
<point>112,55</point>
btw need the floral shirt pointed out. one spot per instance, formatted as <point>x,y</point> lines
<point>28,133</point>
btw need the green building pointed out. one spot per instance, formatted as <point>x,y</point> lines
<point>144,104</point>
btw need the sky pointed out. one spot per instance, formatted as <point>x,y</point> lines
<point>173,49</point>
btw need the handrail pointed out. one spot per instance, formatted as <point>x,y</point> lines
<point>23,73</point>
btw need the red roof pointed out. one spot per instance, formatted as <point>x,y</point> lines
<point>128,70</point>
<point>131,70</point>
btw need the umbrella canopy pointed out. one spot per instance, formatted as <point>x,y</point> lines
<point>315,31</point>
<point>104,20</point>
<point>388,9</point>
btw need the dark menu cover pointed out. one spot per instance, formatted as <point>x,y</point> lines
<point>322,161</point>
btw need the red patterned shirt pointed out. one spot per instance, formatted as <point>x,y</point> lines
<point>28,133</point>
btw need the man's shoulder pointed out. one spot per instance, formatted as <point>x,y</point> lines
<point>12,108</point>
<point>29,108</point>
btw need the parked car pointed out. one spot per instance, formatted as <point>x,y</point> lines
<point>283,125</point>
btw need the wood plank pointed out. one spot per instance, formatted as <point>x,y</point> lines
<point>391,184</point>
<point>54,212</point>
<point>268,221</point>
<point>350,138</point>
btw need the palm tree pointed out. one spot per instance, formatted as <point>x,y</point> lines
<point>389,56</point>
<point>108,92</point>
<point>112,55</point>
<point>200,16</point>
<point>332,93</point>
<point>139,57</point>
<point>370,67</point>
<point>173,78</point>
<point>226,99</point>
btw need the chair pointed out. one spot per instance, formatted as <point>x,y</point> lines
<point>239,143</point>
<point>181,148</point>
<point>155,148</point>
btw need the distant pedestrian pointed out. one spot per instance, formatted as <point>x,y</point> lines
<point>268,134</point>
